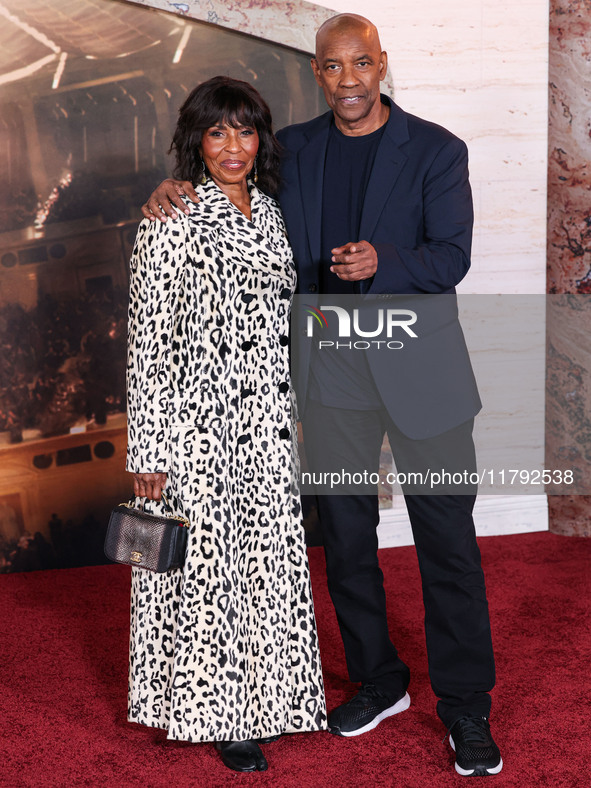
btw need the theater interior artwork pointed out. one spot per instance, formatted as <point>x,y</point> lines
<point>89,94</point>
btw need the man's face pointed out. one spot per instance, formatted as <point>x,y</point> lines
<point>348,67</point>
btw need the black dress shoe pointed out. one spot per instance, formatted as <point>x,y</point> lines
<point>242,756</point>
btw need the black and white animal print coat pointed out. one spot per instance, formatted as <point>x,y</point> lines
<point>225,648</point>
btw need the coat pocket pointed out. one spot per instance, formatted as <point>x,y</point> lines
<point>199,450</point>
<point>204,408</point>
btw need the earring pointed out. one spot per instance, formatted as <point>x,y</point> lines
<point>256,174</point>
<point>203,175</point>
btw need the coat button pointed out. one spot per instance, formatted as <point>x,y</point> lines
<point>284,433</point>
<point>246,345</point>
<point>285,293</point>
<point>283,340</point>
<point>312,288</point>
<point>284,388</point>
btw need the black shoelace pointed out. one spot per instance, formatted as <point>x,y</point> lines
<point>474,730</point>
<point>370,692</point>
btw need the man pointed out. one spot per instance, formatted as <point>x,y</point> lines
<point>377,202</point>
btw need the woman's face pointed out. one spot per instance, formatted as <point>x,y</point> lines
<point>229,153</point>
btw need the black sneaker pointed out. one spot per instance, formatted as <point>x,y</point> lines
<point>365,711</point>
<point>475,749</point>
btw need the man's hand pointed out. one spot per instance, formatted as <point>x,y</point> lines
<point>159,204</point>
<point>149,485</point>
<point>358,260</point>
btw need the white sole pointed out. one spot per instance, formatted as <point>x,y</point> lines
<point>401,705</point>
<point>469,772</point>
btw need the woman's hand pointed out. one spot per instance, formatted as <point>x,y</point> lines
<point>149,485</point>
<point>170,191</point>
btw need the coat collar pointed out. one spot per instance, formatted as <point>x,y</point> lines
<point>215,202</point>
<point>388,164</point>
<point>260,242</point>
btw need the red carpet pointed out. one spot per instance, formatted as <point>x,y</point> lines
<point>64,653</point>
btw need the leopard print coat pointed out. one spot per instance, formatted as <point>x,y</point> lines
<point>225,648</point>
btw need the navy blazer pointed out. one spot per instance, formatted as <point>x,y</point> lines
<point>417,213</point>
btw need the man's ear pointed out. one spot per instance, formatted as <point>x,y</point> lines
<point>316,70</point>
<point>383,64</point>
<point>314,64</point>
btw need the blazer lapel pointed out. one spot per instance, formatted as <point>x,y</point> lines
<point>311,171</point>
<point>387,166</point>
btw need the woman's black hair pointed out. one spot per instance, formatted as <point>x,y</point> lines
<point>231,101</point>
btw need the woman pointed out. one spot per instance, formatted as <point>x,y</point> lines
<point>224,650</point>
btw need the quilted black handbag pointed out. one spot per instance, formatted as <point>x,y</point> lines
<point>151,541</point>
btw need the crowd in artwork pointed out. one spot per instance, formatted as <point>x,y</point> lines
<point>62,361</point>
<point>70,544</point>
<point>82,195</point>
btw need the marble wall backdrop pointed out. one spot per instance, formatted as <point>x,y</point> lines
<point>478,67</point>
<point>569,170</point>
<point>569,253</point>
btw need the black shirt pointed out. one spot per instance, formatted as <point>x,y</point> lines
<point>341,378</point>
